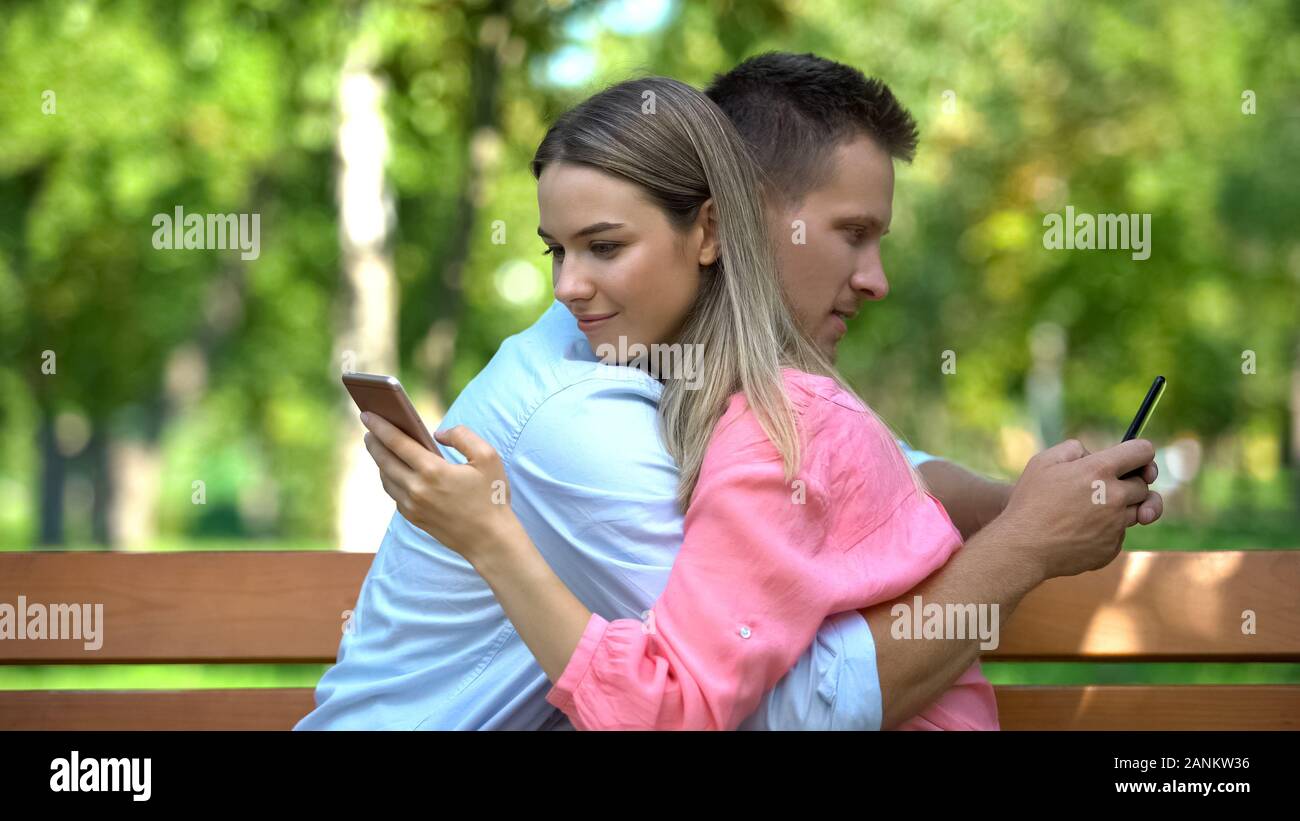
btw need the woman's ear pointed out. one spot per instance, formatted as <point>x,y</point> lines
<point>707,221</point>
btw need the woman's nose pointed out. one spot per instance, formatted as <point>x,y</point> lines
<point>570,285</point>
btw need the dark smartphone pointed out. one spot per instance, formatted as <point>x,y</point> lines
<point>1139,422</point>
<point>384,396</point>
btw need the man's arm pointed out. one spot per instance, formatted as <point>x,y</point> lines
<point>1055,531</point>
<point>972,501</point>
<point>987,570</point>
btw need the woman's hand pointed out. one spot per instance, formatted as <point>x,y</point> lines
<point>466,507</point>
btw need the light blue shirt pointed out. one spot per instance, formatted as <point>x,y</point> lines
<point>429,647</point>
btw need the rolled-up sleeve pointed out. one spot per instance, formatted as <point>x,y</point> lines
<point>835,686</point>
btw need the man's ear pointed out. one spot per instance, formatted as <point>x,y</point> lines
<point>707,221</point>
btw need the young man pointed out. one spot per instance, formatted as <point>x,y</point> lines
<point>827,138</point>
<point>431,648</point>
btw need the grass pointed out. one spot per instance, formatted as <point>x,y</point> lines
<point>221,676</point>
<point>157,676</point>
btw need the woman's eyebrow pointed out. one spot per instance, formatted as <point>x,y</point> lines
<point>594,228</point>
<point>867,220</point>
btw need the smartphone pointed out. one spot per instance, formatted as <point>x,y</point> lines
<point>383,396</point>
<point>1139,422</point>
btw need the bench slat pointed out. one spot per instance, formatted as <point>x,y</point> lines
<point>1148,606</point>
<point>286,607</point>
<point>1167,707</point>
<point>267,607</point>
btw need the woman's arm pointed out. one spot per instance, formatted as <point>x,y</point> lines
<point>742,600</point>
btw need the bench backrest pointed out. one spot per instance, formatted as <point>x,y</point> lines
<point>289,607</point>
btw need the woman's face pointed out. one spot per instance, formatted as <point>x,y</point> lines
<point>618,264</point>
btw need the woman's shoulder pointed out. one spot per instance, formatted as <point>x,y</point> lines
<point>848,456</point>
<point>830,420</point>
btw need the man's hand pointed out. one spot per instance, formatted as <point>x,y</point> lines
<point>1069,510</point>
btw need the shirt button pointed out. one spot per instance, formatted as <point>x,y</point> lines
<point>744,632</point>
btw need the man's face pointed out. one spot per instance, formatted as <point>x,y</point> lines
<point>837,265</point>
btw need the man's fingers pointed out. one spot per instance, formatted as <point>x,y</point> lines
<point>390,467</point>
<point>1151,509</point>
<point>1133,491</point>
<point>411,452</point>
<point>1150,473</point>
<point>1131,515</point>
<point>1125,457</point>
<point>469,443</point>
<point>1066,451</point>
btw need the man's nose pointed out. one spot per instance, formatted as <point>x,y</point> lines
<point>869,280</point>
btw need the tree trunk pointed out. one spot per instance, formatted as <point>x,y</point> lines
<point>367,334</point>
<point>54,470</point>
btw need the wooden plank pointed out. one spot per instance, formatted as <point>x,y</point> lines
<point>1165,707</point>
<point>1168,707</point>
<point>244,709</point>
<point>267,607</point>
<point>1164,607</point>
<point>287,607</point>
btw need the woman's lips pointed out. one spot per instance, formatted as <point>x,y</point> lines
<point>590,322</point>
<point>840,325</point>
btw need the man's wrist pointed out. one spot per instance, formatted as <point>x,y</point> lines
<point>999,494</point>
<point>1014,556</point>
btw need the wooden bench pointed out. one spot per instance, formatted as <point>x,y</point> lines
<point>288,607</point>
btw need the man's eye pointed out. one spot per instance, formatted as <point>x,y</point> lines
<point>855,233</point>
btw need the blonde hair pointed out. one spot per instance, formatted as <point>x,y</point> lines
<point>677,145</point>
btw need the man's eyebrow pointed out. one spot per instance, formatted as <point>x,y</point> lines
<point>594,228</point>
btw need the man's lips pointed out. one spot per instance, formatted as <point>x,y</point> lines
<point>588,322</point>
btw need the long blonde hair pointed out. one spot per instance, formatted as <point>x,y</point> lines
<point>677,145</point>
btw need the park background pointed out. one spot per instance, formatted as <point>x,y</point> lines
<point>195,402</point>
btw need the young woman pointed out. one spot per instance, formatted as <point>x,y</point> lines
<point>798,502</point>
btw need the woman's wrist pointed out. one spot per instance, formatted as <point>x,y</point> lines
<point>503,544</point>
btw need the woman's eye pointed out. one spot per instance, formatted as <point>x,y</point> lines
<point>604,249</point>
<point>556,250</point>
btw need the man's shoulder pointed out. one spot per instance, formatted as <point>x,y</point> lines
<point>547,378</point>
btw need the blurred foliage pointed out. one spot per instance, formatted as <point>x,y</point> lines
<point>225,106</point>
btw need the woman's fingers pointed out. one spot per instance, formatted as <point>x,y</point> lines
<point>475,449</point>
<point>390,467</point>
<point>409,451</point>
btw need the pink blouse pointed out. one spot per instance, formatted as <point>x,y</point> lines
<point>763,562</point>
